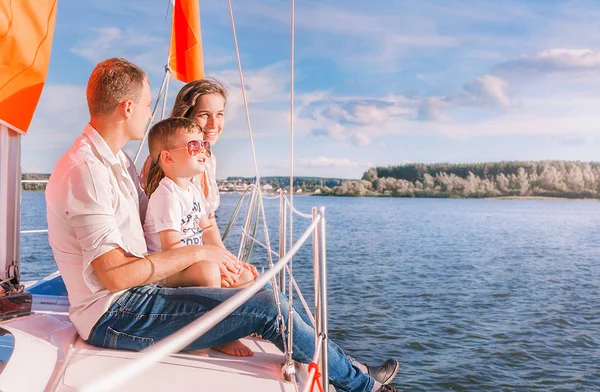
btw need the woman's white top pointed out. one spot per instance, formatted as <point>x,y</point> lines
<point>213,199</point>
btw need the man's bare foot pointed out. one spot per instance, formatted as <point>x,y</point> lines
<point>236,348</point>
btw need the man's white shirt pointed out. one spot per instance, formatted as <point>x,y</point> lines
<point>94,204</point>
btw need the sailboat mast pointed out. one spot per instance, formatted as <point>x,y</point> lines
<point>26,44</point>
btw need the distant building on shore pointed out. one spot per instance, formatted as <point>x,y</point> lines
<point>232,186</point>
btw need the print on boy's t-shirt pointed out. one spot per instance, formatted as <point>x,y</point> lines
<point>191,232</point>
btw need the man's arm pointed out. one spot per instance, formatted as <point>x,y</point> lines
<point>118,271</point>
<point>106,249</point>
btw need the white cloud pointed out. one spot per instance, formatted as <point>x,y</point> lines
<point>360,139</point>
<point>553,61</point>
<point>60,117</point>
<point>338,118</point>
<point>141,49</point>
<point>61,114</point>
<point>333,131</point>
<point>331,162</point>
<point>360,110</point>
<point>486,90</point>
<point>367,114</point>
<point>432,109</point>
<point>266,84</point>
<point>339,132</point>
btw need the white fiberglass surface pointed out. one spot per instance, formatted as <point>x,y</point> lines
<point>186,371</point>
<point>45,341</point>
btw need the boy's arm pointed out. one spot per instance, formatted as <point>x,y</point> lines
<point>170,239</point>
<point>210,231</point>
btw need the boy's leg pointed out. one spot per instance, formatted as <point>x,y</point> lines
<point>144,315</point>
<point>206,274</point>
<point>244,280</point>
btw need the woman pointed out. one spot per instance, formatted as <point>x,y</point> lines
<point>204,102</point>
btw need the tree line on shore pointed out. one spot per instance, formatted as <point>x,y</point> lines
<point>34,186</point>
<point>568,179</point>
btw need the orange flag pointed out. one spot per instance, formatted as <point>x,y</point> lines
<point>26,30</point>
<point>185,54</point>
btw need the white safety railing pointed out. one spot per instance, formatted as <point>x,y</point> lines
<point>194,330</point>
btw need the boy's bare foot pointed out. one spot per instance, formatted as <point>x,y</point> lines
<point>235,348</point>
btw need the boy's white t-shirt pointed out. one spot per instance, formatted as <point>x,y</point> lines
<point>173,208</point>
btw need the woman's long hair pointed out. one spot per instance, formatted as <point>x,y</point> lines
<point>160,138</point>
<point>188,96</point>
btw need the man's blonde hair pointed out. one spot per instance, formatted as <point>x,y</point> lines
<point>111,82</point>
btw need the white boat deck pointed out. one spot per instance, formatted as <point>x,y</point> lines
<point>44,340</point>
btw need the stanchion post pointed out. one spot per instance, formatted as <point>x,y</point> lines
<point>316,275</point>
<point>282,236</point>
<point>323,299</point>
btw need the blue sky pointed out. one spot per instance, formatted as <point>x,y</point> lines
<point>376,83</point>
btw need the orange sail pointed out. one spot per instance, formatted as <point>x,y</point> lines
<point>26,30</point>
<point>185,54</point>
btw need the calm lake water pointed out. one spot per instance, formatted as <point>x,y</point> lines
<point>469,295</point>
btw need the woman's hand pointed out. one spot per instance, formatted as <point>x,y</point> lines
<point>251,268</point>
<point>248,274</point>
<point>229,265</point>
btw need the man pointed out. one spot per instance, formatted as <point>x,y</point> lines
<point>95,209</point>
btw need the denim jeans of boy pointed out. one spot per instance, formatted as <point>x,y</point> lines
<point>147,314</point>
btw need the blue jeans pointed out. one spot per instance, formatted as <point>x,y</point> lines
<point>146,314</point>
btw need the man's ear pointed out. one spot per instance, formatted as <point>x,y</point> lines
<point>126,107</point>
